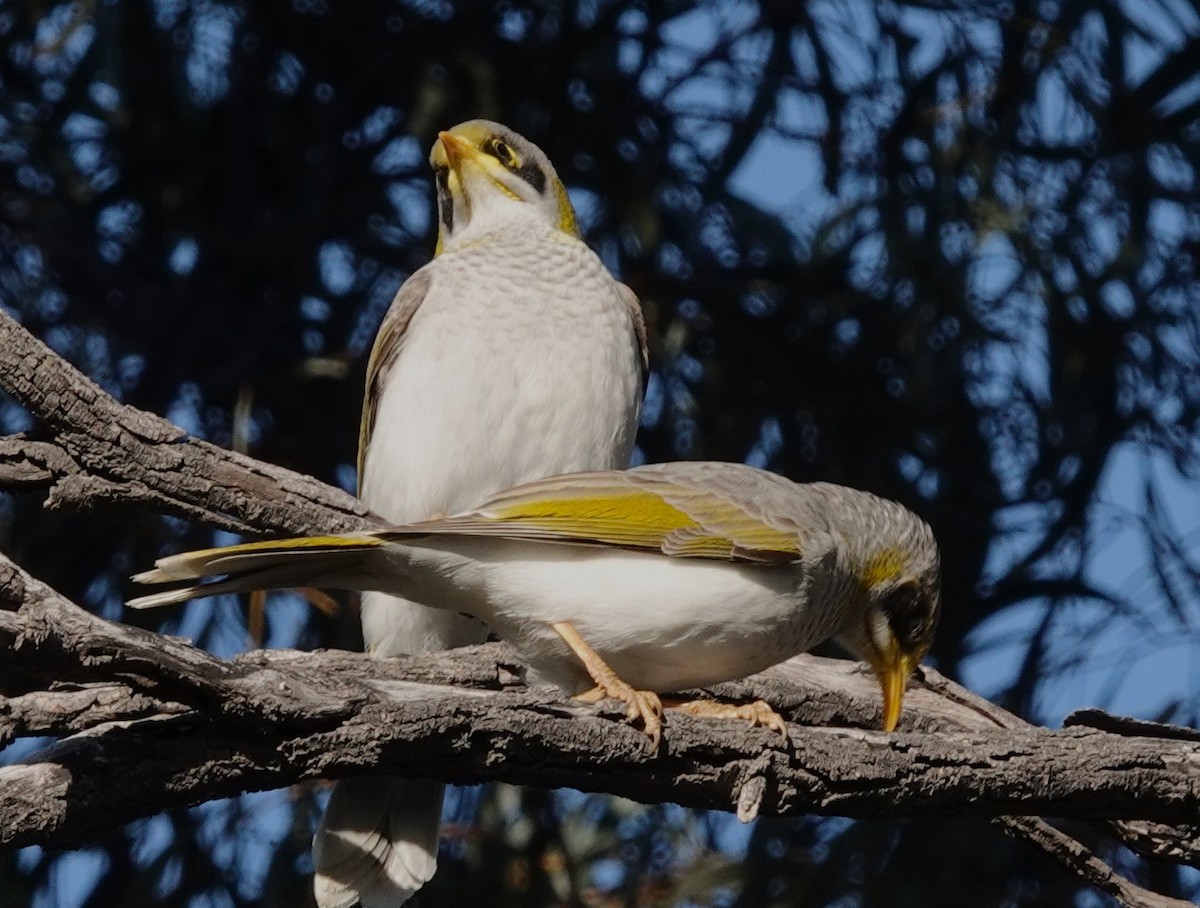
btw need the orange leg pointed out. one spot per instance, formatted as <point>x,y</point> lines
<point>757,713</point>
<point>641,704</point>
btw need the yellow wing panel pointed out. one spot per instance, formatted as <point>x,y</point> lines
<point>603,509</point>
<point>619,517</point>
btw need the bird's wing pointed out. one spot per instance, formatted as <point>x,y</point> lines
<point>639,329</point>
<point>386,350</point>
<point>680,512</point>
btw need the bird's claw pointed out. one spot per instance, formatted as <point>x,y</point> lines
<point>757,713</point>
<point>640,704</point>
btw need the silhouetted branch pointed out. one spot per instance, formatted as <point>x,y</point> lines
<point>1085,863</point>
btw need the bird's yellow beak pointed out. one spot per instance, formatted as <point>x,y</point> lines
<point>893,670</point>
<point>451,151</point>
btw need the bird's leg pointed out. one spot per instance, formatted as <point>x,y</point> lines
<point>641,704</point>
<point>757,713</point>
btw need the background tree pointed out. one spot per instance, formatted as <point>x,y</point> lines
<point>942,251</point>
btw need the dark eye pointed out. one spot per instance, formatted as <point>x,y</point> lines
<point>442,175</point>
<point>503,154</point>
<point>906,614</point>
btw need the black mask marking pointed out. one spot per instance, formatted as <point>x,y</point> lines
<point>444,198</point>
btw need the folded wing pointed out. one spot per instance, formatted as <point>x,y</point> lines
<point>684,510</point>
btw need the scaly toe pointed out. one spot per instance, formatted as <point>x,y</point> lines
<point>595,695</point>
<point>650,711</point>
<point>757,713</point>
<point>763,714</point>
<point>640,705</point>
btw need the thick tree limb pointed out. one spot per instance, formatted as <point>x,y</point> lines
<point>197,727</point>
<point>333,713</point>
<point>105,452</point>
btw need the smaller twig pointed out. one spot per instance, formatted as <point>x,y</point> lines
<point>1125,725</point>
<point>1081,861</point>
<point>1158,840</point>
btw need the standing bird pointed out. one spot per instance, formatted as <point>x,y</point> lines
<point>512,355</point>
<point>632,583</point>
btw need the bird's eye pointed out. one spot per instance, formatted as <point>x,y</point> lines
<point>503,153</point>
<point>906,615</point>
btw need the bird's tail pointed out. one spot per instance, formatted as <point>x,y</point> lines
<point>331,561</point>
<point>377,842</point>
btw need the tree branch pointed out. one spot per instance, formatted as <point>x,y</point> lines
<point>64,711</point>
<point>1085,864</point>
<point>198,727</point>
<point>264,720</point>
<point>106,452</point>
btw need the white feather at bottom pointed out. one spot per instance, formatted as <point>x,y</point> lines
<point>377,843</point>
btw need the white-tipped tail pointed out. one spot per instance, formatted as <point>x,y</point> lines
<point>303,561</point>
<point>377,843</point>
<point>157,600</point>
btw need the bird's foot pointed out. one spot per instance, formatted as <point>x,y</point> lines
<point>640,704</point>
<point>757,713</point>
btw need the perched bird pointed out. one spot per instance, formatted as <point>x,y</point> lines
<point>632,583</point>
<point>512,355</point>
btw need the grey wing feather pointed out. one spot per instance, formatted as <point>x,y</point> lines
<point>386,350</point>
<point>776,500</point>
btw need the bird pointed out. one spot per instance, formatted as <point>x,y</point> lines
<point>512,355</point>
<point>635,583</point>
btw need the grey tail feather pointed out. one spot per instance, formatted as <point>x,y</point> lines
<point>262,568</point>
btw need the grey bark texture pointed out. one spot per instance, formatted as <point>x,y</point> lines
<point>145,722</point>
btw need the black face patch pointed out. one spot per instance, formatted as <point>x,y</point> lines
<point>526,170</point>
<point>907,616</point>
<point>445,199</point>
<point>532,174</point>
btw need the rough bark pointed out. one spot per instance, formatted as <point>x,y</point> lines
<point>149,722</point>
<point>103,452</point>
